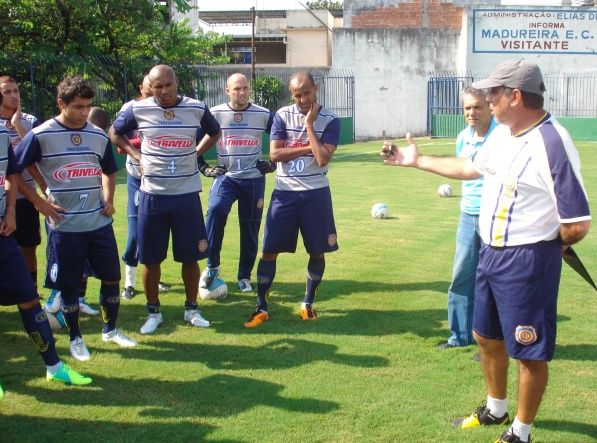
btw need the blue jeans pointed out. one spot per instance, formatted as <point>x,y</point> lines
<point>461,295</point>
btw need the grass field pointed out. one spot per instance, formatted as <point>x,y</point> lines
<point>367,370</point>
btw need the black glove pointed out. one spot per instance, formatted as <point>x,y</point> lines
<point>212,172</point>
<point>265,166</point>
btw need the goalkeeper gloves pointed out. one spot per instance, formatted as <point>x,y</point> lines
<point>265,166</point>
<point>214,172</point>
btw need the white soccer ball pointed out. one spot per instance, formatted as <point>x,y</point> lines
<point>57,321</point>
<point>444,190</point>
<point>218,290</point>
<point>380,210</point>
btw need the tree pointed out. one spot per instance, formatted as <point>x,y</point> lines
<point>111,41</point>
<point>326,4</point>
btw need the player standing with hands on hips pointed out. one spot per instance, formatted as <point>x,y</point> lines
<point>533,206</point>
<point>304,137</point>
<point>239,151</point>
<point>169,196</point>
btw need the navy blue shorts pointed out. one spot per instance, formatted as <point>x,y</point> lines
<point>71,254</point>
<point>516,293</point>
<point>28,227</point>
<point>249,192</point>
<point>181,214</point>
<point>310,212</point>
<point>16,286</point>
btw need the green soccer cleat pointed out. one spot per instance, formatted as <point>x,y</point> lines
<point>1,392</point>
<point>68,376</point>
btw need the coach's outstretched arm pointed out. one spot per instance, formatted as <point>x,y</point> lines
<point>410,157</point>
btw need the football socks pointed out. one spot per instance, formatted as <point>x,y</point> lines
<point>110,302</point>
<point>35,321</point>
<point>315,269</point>
<point>266,271</point>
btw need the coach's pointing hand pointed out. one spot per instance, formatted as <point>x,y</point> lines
<point>402,156</point>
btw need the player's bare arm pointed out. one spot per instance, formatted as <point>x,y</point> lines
<point>279,152</point>
<point>9,223</point>
<point>571,233</point>
<point>15,120</point>
<point>321,151</point>
<point>108,189</point>
<point>50,210</point>
<point>34,172</point>
<point>207,142</point>
<point>410,157</point>
<point>123,143</point>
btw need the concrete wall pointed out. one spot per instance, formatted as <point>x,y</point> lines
<point>307,47</point>
<point>393,46</point>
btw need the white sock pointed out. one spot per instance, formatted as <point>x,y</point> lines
<point>54,368</point>
<point>304,305</point>
<point>497,407</point>
<point>520,429</point>
<point>130,272</point>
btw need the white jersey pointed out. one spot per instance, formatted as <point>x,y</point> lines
<point>303,173</point>
<point>241,144</point>
<point>72,162</point>
<point>29,122</point>
<point>132,166</point>
<point>168,149</point>
<point>532,184</point>
<point>5,165</point>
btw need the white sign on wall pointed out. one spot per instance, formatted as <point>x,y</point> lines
<point>537,31</point>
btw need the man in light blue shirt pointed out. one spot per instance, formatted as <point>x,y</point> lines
<point>461,294</point>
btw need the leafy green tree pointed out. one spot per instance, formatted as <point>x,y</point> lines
<point>113,42</point>
<point>325,4</point>
<point>267,91</point>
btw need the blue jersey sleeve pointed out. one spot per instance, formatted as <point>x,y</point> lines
<point>35,123</point>
<point>108,163</point>
<point>125,122</point>
<point>27,152</point>
<point>278,129</point>
<point>209,124</point>
<point>331,133</point>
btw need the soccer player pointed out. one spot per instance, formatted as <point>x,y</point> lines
<point>168,199</point>
<point>18,123</point>
<point>133,182</point>
<point>304,137</point>
<point>461,294</point>
<point>16,286</point>
<point>239,151</point>
<point>533,206</point>
<point>76,161</point>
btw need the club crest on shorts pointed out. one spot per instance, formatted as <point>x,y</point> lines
<point>238,117</point>
<point>332,239</point>
<point>260,203</point>
<point>525,335</point>
<point>75,139</point>
<point>169,114</point>
<point>203,245</point>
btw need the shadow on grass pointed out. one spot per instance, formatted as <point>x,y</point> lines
<point>277,354</point>
<point>572,427</point>
<point>576,352</point>
<point>214,396</point>
<point>41,429</point>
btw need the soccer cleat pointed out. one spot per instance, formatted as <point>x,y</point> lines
<point>308,313</point>
<point>164,287</point>
<point>194,317</point>
<point>508,437</point>
<point>152,323</point>
<point>68,376</point>
<point>257,318</point>
<point>481,417</point>
<point>84,308</point>
<point>116,336</point>
<point>1,392</point>
<point>128,293</point>
<point>54,302</point>
<point>244,284</point>
<point>78,349</point>
<point>207,276</point>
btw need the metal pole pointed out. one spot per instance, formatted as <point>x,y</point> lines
<point>253,43</point>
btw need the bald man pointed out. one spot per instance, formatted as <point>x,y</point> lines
<point>170,126</point>
<point>304,137</point>
<point>239,151</point>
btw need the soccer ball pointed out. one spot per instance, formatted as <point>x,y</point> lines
<point>218,290</point>
<point>444,191</point>
<point>56,320</point>
<point>380,210</point>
